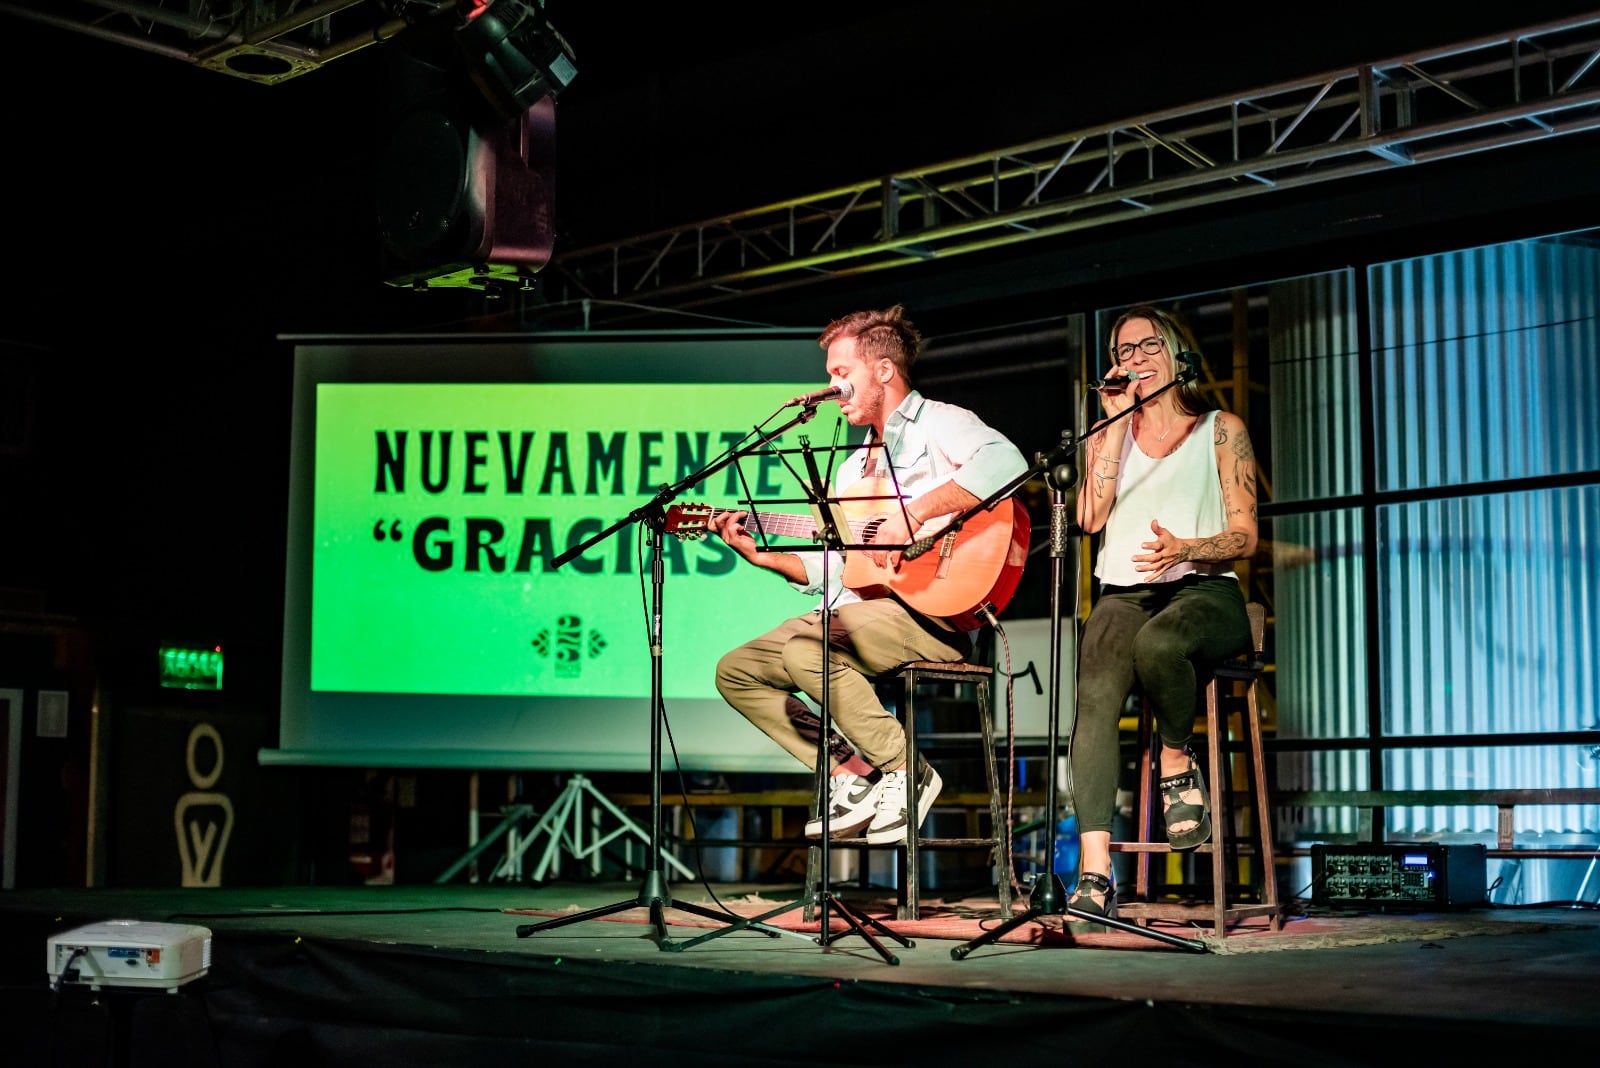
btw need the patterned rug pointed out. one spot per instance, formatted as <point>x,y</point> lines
<point>963,921</point>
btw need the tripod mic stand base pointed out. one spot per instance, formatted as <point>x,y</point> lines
<point>856,923</point>
<point>823,901</point>
<point>653,895</point>
<point>1192,944</point>
<point>1049,898</point>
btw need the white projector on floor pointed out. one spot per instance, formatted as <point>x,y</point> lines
<point>129,953</point>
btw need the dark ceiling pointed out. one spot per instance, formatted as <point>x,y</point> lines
<point>146,182</point>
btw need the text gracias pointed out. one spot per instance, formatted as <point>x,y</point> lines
<point>503,460</point>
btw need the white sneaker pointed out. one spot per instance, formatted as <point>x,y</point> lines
<point>852,803</point>
<point>889,824</point>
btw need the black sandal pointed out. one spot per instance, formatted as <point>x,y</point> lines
<point>1091,883</point>
<point>1175,809</point>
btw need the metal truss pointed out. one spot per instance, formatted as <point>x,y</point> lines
<point>265,41</point>
<point>1491,93</point>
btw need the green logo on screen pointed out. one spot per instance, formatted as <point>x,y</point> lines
<point>569,646</point>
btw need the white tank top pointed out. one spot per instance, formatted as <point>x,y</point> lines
<point>1182,491</point>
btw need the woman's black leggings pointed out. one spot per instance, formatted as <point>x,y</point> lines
<point>1164,636</point>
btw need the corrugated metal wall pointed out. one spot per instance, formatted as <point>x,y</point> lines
<point>1491,622</point>
<point>1485,368</point>
<point>1486,364</point>
<point>1317,561</point>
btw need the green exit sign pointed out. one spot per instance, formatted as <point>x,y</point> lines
<point>189,667</point>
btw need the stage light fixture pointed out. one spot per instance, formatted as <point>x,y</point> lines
<point>514,55</point>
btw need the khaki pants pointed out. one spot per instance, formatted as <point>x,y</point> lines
<point>868,638</point>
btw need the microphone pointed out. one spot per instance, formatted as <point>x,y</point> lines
<point>1188,373</point>
<point>1117,385</point>
<point>843,391</point>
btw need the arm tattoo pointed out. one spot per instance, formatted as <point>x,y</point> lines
<point>1224,546</point>
<point>1244,468</point>
<point>1238,494</point>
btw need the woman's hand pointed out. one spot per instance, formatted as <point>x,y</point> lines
<point>1117,401</point>
<point>1167,549</point>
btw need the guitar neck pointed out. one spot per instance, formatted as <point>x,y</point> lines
<point>788,526</point>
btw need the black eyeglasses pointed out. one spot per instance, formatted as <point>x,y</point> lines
<point>1150,345</point>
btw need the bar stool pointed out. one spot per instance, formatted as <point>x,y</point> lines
<point>1244,675</point>
<point>907,864</point>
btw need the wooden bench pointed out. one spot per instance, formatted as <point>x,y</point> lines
<point>1506,801</point>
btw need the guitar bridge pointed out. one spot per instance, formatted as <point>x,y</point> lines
<point>947,549</point>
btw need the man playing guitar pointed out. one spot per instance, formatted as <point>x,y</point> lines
<point>923,463</point>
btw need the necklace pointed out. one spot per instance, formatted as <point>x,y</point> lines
<point>1163,435</point>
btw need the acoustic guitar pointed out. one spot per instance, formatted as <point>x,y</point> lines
<point>958,575</point>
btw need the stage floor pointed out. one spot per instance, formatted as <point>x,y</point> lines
<point>399,975</point>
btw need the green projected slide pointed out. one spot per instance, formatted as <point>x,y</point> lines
<point>468,575</point>
<point>441,508</point>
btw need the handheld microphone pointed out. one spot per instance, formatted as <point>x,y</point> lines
<point>1117,385</point>
<point>1187,373</point>
<point>843,391</point>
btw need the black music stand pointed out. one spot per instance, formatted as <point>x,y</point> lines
<point>1048,897</point>
<point>831,522</point>
<point>653,892</point>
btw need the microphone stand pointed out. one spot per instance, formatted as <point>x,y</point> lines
<point>829,521</point>
<point>653,892</point>
<point>1048,896</point>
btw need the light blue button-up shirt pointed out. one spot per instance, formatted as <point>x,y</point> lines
<point>925,443</point>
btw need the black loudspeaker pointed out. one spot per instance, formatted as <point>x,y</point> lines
<point>466,197</point>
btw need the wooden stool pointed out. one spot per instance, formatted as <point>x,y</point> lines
<point>1244,673</point>
<point>981,677</point>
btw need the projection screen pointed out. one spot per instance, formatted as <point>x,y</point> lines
<point>437,613</point>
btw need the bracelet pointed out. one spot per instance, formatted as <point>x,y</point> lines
<point>1108,478</point>
<point>915,522</point>
<point>1107,459</point>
